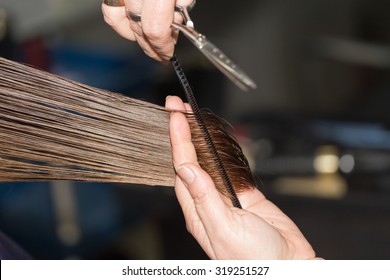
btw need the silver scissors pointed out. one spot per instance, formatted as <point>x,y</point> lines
<point>214,54</point>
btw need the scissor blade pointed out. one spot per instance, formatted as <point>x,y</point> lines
<point>217,57</point>
<point>227,66</point>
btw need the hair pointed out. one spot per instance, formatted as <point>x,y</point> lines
<point>52,128</point>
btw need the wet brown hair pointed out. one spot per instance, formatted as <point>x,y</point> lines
<point>53,128</point>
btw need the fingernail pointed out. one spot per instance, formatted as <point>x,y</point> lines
<point>186,175</point>
<point>168,96</point>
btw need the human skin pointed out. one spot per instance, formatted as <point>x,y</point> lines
<point>258,231</point>
<point>153,33</point>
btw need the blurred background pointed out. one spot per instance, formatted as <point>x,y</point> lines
<point>316,130</point>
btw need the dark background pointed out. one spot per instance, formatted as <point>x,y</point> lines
<point>322,69</point>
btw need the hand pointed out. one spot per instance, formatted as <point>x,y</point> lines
<point>261,231</point>
<point>154,33</point>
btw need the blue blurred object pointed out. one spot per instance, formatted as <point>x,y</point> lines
<point>115,71</point>
<point>28,211</point>
<point>9,250</point>
<point>27,214</point>
<point>357,135</point>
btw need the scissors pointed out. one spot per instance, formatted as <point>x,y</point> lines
<point>214,54</point>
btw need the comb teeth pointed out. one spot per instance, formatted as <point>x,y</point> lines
<point>208,139</point>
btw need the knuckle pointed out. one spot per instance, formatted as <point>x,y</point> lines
<point>188,228</point>
<point>184,2</point>
<point>110,15</point>
<point>109,20</point>
<point>136,28</point>
<point>154,33</point>
<point>152,55</point>
<point>201,197</point>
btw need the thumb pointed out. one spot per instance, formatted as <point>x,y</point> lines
<point>209,204</point>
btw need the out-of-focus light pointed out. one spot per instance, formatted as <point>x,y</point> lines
<point>347,163</point>
<point>326,161</point>
<point>332,186</point>
<point>69,233</point>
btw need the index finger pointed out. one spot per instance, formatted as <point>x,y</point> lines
<point>182,147</point>
<point>157,17</point>
<point>116,17</point>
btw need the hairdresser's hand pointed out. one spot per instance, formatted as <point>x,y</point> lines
<point>261,231</point>
<point>154,33</point>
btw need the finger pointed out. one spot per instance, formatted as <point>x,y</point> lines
<point>208,202</point>
<point>251,198</point>
<point>194,225</point>
<point>147,47</point>
<point>193,222</point>
<point>180,134</point>
<point>116,17</point>
<point>188,107</point>
<point>182,147</point>
<point>157,18</point>
<point>183,150</point>
<point>178,17</point>
<point>135,7</point>
<point>175,36</point>
<point>213,212</point>
<point>174,103</point>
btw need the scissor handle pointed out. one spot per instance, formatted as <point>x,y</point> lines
<point>182,10</point>
<point>121,3</point>
<point>215,55</point>
<point>114,3</point>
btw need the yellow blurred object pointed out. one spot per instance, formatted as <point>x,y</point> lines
<point>330,186</point>
<point>326,160</point>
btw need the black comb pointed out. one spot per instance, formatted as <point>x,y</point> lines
<point>209,141</point>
